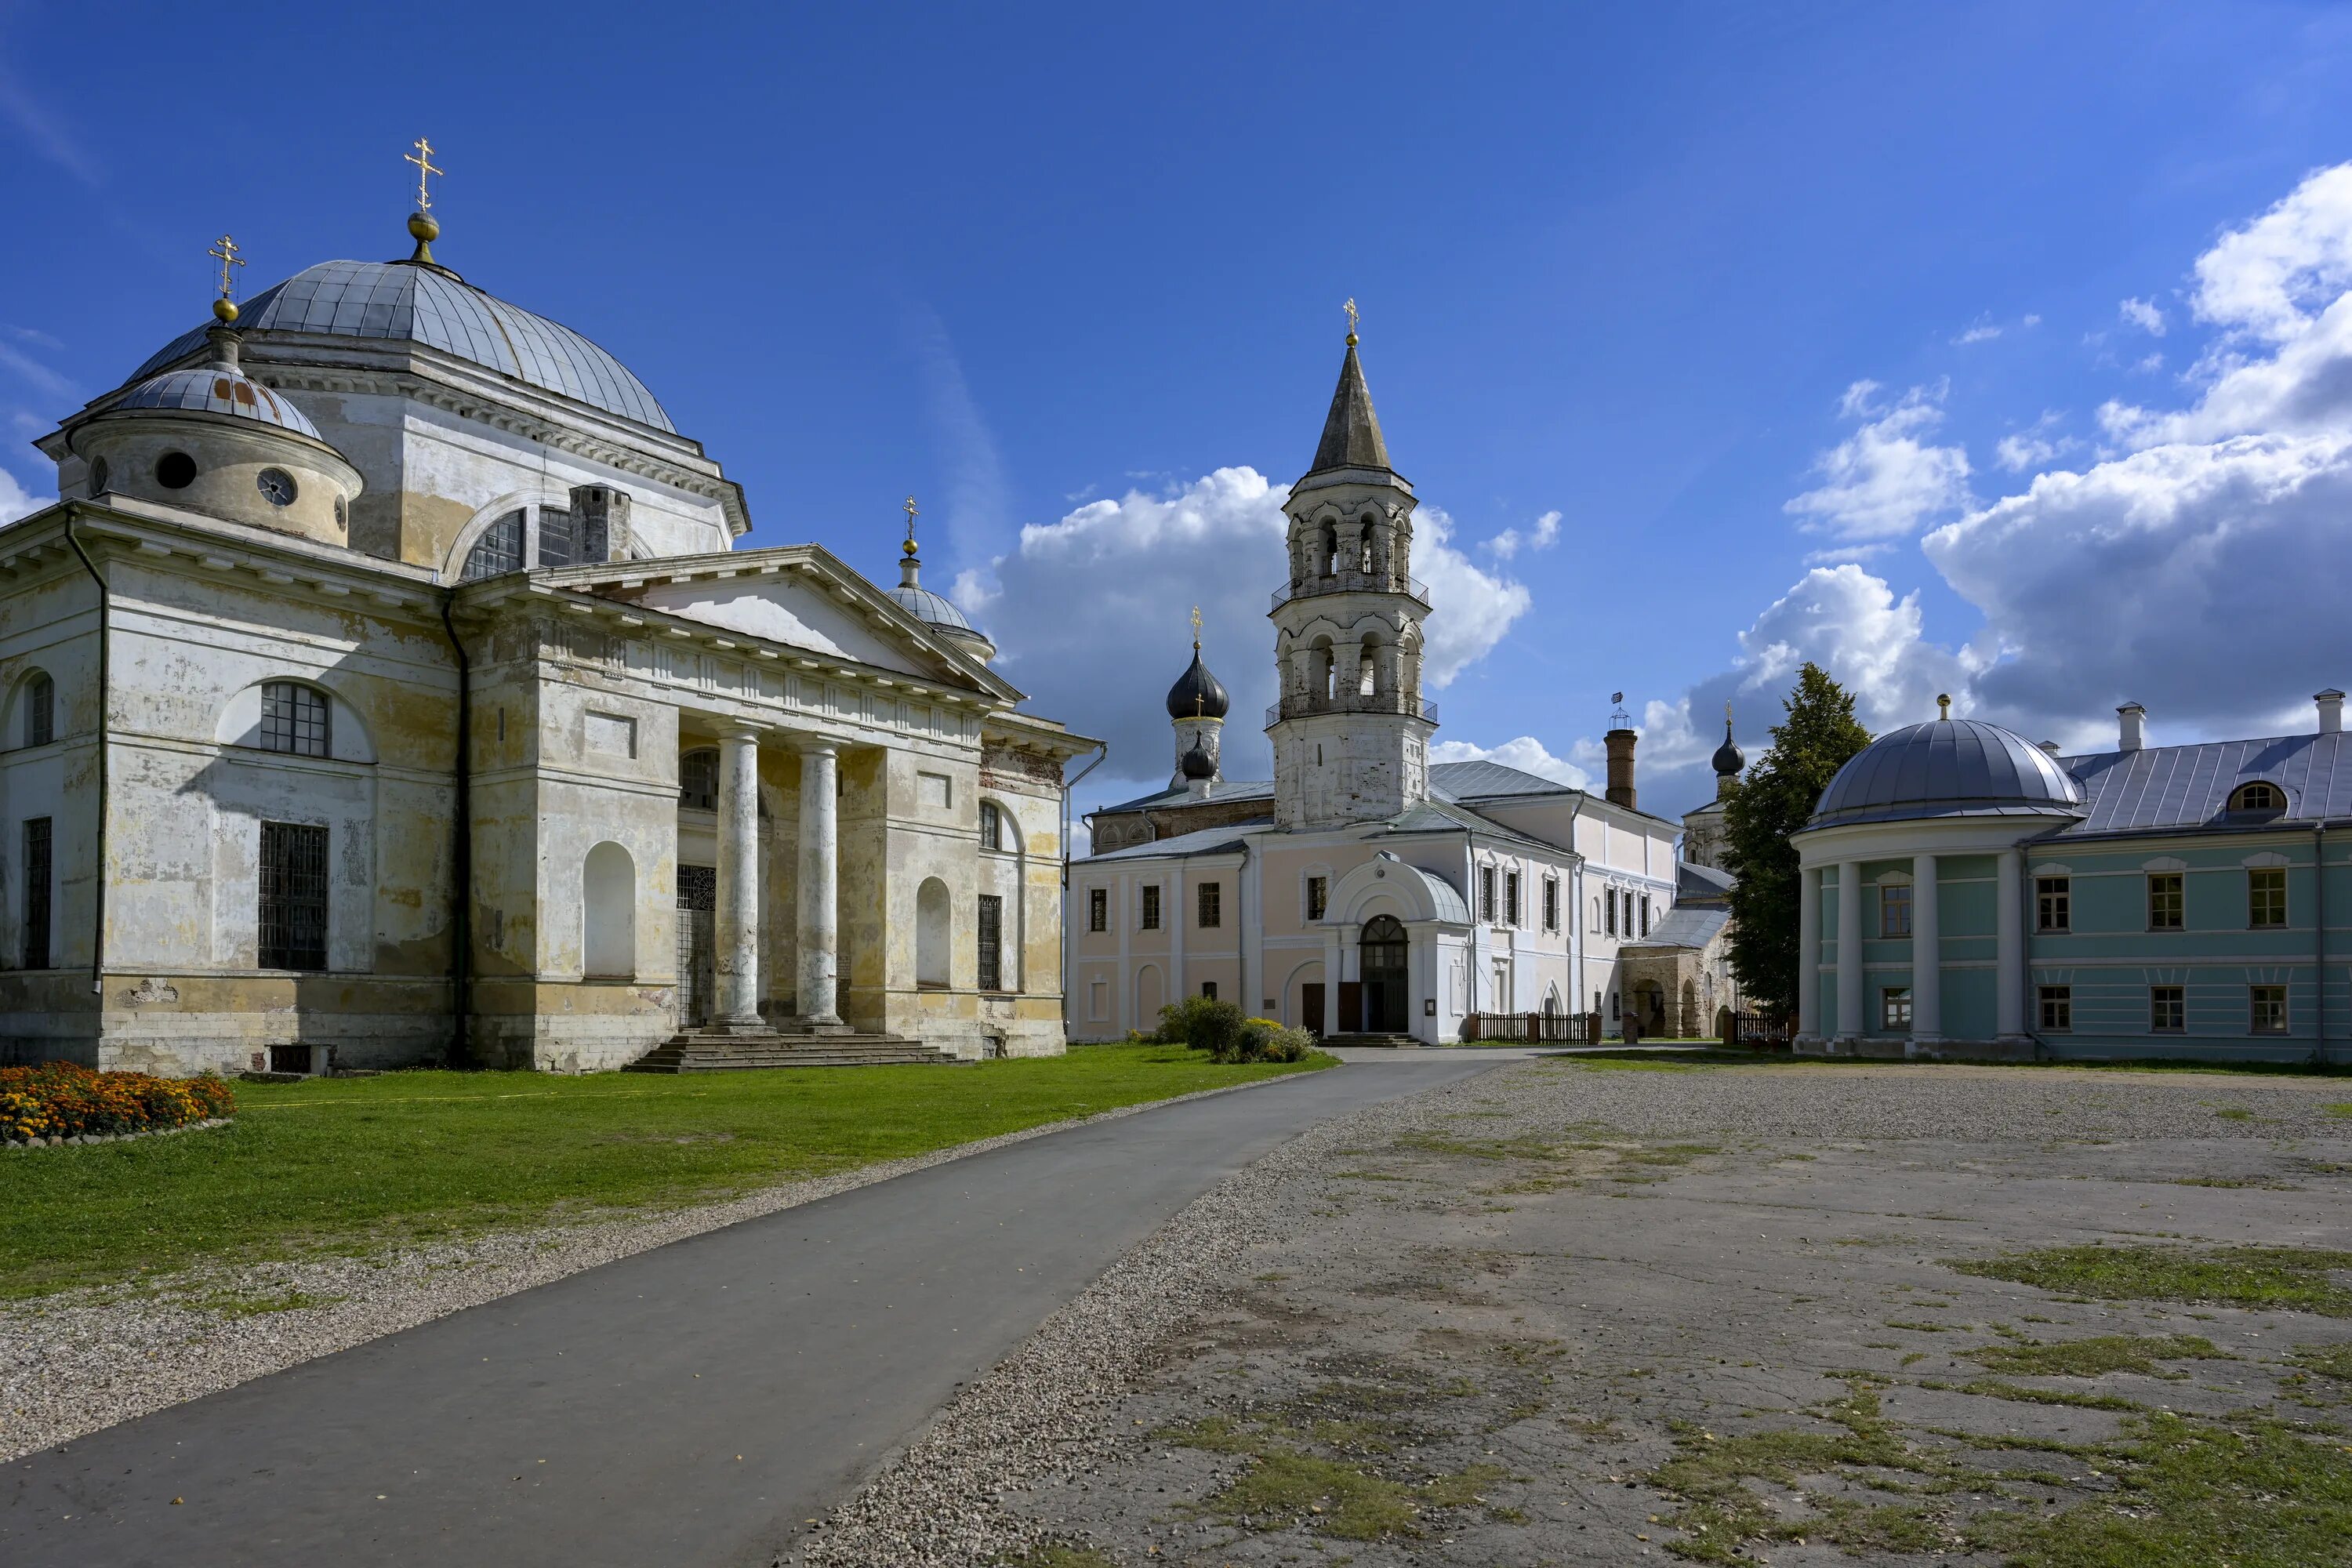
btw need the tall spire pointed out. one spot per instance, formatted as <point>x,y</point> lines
<point>1351,432</point>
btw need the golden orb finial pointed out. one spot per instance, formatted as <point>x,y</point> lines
<point>225,311</point>
<point>909,509</point>
<point>1943,705</point>
<point>1350,307</point>
<point>223,251</point>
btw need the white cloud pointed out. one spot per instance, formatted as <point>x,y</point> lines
<point>1978,332</point>
<point>2143,314</point>
<point>17,502</point>
<point>1885,480</point>
<point>1526,753</point>
<point>2031,321</point>
<point>1541,535</point>
<point>2036,445</point>
<point>1091,612</point>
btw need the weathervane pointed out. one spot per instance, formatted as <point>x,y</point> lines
<point>1350,307</point>
<point>225,249</point>
<point>423,158</point>
<point>910,509</point>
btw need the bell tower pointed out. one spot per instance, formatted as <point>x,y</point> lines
<point>1352,732</point>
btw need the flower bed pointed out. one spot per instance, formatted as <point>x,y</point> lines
<point>60,1100</point>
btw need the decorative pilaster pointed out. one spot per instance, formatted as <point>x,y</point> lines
<point>1927,955</point>
<point>1809,953</point>
<point>1852,1025</point>
<point>737,962</point>
<point>2009,947</point>
<point>820,861</point>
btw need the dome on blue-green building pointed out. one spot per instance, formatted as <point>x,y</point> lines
<point>1947,767</point>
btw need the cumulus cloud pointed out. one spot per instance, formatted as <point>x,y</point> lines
<point>1542,534</point>
<point>2036,445</point>
<point>1092,611</point>
<point>17,502</point>
<point>2143,314</point>
<point>1526,753</point>
<point>1886,479</point>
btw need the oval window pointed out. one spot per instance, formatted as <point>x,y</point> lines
<point>175,470</point>
<point>275,485</point>
<point>98,476</point>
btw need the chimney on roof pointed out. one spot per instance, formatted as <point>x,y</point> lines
<point>2134,733</point>
<point>2331,712</point>
<point>2051,747</point>
<point>600,514</point>
<point>1621,768</point>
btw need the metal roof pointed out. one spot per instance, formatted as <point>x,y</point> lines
<point>2189,786</point>
<point>1695,881</point>
<point>403,300</point>
<point>931,609</point>
<point>1220,840</point>
<point>1947,767</point>
<point>1351,431</point>
<point>1473,781</point>
<point>1447,900</point>
<point>215,389</point>
<point>1686,927</point>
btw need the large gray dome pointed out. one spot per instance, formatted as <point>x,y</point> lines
<point>1950,767</point>
<point>425,304</point>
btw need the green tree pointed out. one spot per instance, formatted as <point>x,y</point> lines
<point>1817,738</point>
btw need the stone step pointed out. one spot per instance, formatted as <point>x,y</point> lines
<point>702,1050</point>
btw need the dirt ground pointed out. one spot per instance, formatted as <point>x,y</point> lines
<point>1582,1312</point>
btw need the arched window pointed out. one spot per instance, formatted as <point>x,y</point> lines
<point>40,710</point>
<point>991,826</point>
<point>2258,796</point>
<point>1366,677</point>
<point>498,550</point>
<point>560,538</point>
<point>1330,549</point>
<point>608,913</point>
<point>293,720</point>
<point>932,934</point>
<point>697,779</point>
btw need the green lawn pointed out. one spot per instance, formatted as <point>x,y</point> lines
<point>357,1163</point>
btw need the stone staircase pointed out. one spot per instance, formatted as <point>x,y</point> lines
<point>1395,1042</point>
<point>725,1051</point>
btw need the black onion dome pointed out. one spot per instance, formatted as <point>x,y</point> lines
<point>1198,764</point>
<point>1197,693</point>
<point>1729,758</point>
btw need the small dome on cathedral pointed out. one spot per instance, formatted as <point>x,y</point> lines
<point>1198,764</point>
<point>1197,694</point>
<point>1729,758</point>
<point>931,609</point>
<point>218,387</point>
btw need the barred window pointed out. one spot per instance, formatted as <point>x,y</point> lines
<point>1511,898</point>
<point>1099,910</point>
<point>36,893</point>
<point>1894,908</point>
<point>2266,1005</point>
<point>2057,1009</point>
<point>697,780</point>
<point>1211,905</point>
<point>2266,896</point>
<point>40,711</point>
<point>1611,901</point>
<point>1150,919</point>
<point>500,549</point>
<point>1486,894</point>
<point>991,942</point>
<point>1551,903</point>
<point>1318,897</point>
<point>293,896</point>
<point>293,718</point>
<point>2167,1010</point>
<point>2166,900</point>
<point>2054,900</point>
<point>1645,914</point>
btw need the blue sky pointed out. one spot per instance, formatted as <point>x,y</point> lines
<point>1752,305</point>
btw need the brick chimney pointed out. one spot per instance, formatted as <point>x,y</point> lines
<point>2132,734</point>
<point>1621,768</point>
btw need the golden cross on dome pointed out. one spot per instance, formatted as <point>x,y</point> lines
<point>225,250</point>
<point>1350,307</point>
<point>423,158</point>
<point>1196,629</point>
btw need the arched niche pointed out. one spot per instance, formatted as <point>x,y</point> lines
<point>608,913</point>
<point>934,932</point>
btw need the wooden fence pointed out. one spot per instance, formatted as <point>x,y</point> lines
<point>1533,1028</point>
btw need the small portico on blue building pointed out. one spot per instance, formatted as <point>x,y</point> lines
<point>2146,901</point>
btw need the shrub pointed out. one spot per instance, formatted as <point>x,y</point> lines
<point>1203,1023</point>
<point>61,1099</point>
<point>1263,1040</point>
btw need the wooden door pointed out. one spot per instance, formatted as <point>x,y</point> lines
<point>1310,1006</point>
<point>1351,1007</point>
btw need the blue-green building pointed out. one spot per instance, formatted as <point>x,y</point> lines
<point>2147,901</point>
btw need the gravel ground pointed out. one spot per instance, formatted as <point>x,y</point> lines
<point>79,1360</point>
<point>1476,1325</point>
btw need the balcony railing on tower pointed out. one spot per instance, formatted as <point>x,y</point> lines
<point>1412,588</point>
<point>1352,702</point>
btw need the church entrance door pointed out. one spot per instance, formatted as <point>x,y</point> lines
<point>698,948</point>
<point>1383,970</point>
<point>1310,1006</point>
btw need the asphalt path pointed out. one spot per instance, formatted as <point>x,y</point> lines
<point>690,1405</point>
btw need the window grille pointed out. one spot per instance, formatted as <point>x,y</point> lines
<point>1511,898</point>
<point>40,711</point>
<point>559,543</point>
<point>1150,917</point>
<point>2266,896</point>
<point>697,780</point>
<point>2057,1009</point>
<point>2053,899</point>
<point>697,888</point>
<point>1611,900</point>
<point>1486,894</point>
<point>991,826</point>
<point>1551,903</point>
<point>1894,908</point>
<point>1645,914</point>
<point>2267,1007</point>
<point>293,720</point>
<point>1099,910</point>
<point>2167,1010</point>
<point>1211,905</point>
<point>991,942</point>
<point>293,896</point>
<point>2165,899</point>
<point>36,893</point>
<point>500,549</point>
<point>1318,897</point>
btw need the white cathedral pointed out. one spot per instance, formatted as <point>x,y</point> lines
<point>386,687</point>
<point>1366,892</point>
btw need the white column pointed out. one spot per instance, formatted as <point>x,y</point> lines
<point>1927,954</point>
<point>819,965</point>
<point>1809,953</point>
<point>737,962</point>
<point>2009,945</point>
<point>1851,1024</point>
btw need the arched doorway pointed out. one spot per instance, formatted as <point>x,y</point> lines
<point>1650,1007</point>
<point>1383,971</point>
